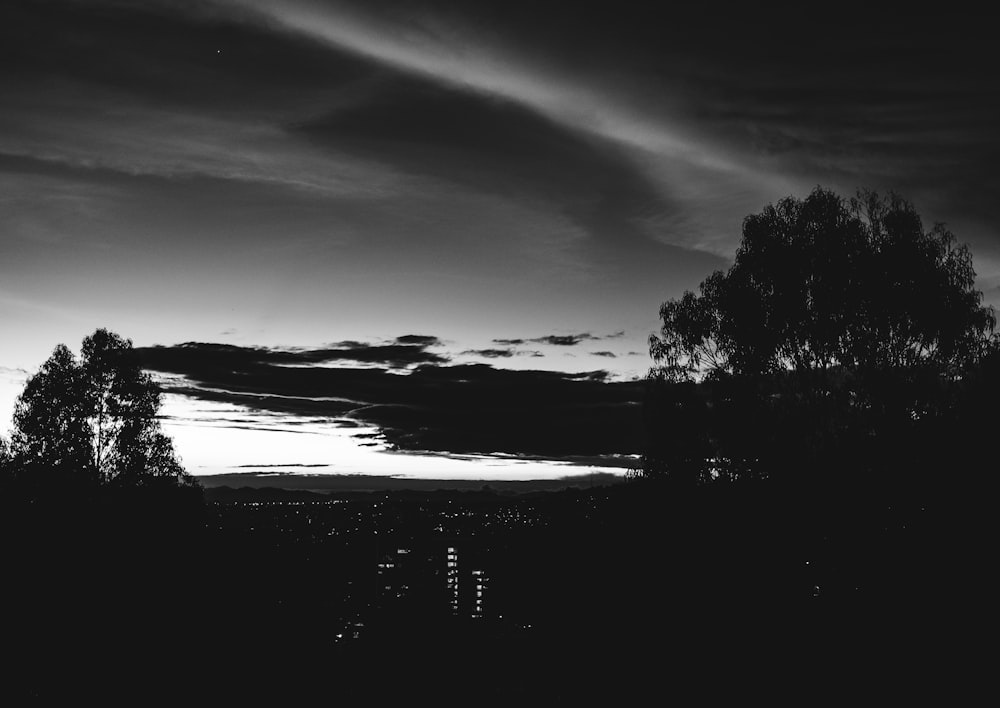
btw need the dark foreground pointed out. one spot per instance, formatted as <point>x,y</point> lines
<point>619,594</point>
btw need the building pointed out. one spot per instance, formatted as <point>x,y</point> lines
<point>467,580</point>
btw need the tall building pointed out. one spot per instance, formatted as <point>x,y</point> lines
<point>452,579</point>
<point>450,576</point>
<point>467,581</point>
<point>480,586</point>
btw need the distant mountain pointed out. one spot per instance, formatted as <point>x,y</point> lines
<point>258,494</point>
<point>321,488</point>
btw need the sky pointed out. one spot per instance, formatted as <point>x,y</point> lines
<point>425,237</point>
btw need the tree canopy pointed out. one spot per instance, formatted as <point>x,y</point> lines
<point>838,323</point>
<point>92,421</point>
<point>826,282</point>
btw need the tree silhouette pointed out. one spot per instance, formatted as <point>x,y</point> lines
<point>840,322</point>
<point>6,465</point>
<point>822,283</point>
<point>92,422</point>
<point>122,403</point>
<point>51,441</point>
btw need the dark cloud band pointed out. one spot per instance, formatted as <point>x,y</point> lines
<point>472,408</point>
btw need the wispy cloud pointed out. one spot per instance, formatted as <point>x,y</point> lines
<point>143,141</point>
<point>461,56</point>
<point>491,353</point>
<point>451,52</point>
<point>564,340</point>
<point>559,340</point>
<point>720,122</point>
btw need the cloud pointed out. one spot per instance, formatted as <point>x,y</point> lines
<point>418,339</point>
<point>168,54</point>
<point>394,355</point>
<point>456,54</point>
<point>162,98</point>
<point>718,110</point>
<point>485,142</point>
<point>359,148</point>
<point>147,142</point>
<point>610,355</point>
<point>400,354</point>
<point>670,127</point>
<point>642,159</point>
<point>290,464</point>
<point>490,353</point>
<point>492,145</point>
<point>564,340</point>
<point>560,340</point>
<point>472,408</point>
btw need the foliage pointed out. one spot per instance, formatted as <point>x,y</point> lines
<point>6,465</point>
<point>821,283</point>
<point>90,422</point>
<point>839,327</point>
<point>52,436</point>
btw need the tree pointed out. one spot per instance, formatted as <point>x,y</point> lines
<point>122,403</point>
<point>6,465</point>
<point>51,441</point>
<point>822,283</point>
<point>92,422</point>
<point>839,321</point>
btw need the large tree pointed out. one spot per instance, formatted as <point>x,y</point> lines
<point>839,321</point>
<point>51,440</point>
<point>92,421</point>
